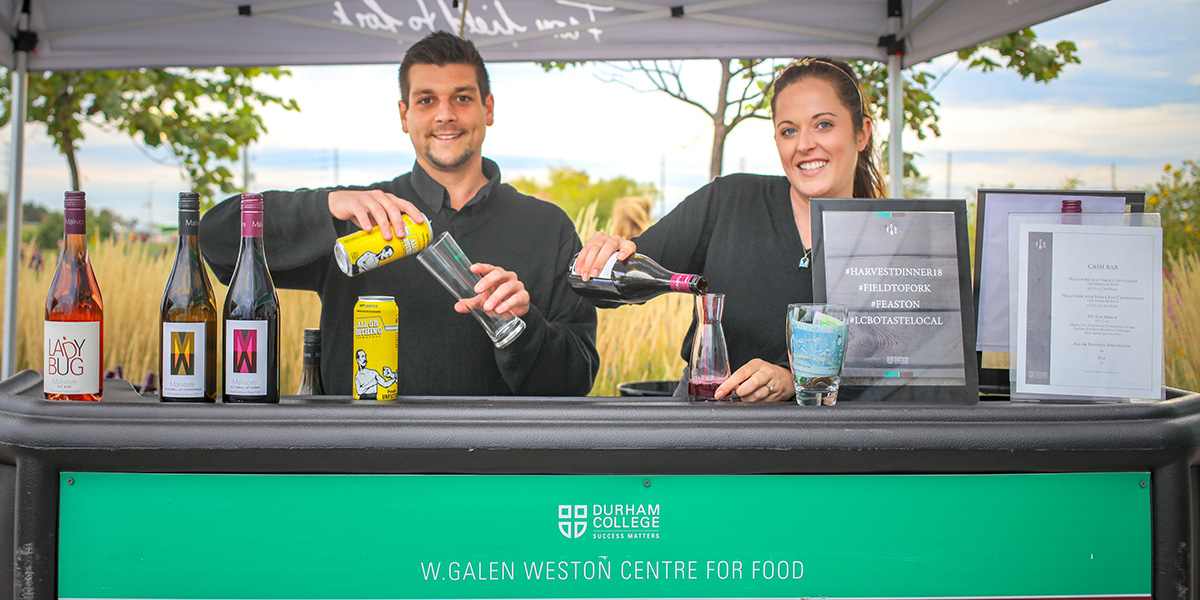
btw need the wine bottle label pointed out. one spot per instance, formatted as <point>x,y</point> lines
<point>189,223</point>
<point>252,224</point>
<point>246,358</point>
<point>679,282</point>
<point>183,355</point>
<point>75,221</point>
<point>72,357</point>
<point>605,273</point>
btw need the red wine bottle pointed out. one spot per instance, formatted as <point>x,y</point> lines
<point>633,280</point>
<point>188,317</point>
<point>251,317</point>
<point>74,325</point>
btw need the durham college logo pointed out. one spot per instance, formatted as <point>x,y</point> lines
<point>610,521</point>
<point>572,519</point>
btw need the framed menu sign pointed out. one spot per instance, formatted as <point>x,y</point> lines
<point>902,268</point>
<point>1088,318</point>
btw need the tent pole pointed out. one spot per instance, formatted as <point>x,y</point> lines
<point>894,44</point>
<point>896,122</point>
<point>20,84</point>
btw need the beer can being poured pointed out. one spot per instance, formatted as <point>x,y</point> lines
<point>362,251</point>
<point>376,348</point>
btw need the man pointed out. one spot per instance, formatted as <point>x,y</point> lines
<point>446,107</point>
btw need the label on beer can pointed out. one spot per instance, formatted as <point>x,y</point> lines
<point>376,348</point>
<point>362,251</point>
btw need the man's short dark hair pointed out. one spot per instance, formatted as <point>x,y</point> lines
<point>443,48</point>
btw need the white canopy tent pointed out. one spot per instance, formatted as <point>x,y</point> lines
<point>48,35</point>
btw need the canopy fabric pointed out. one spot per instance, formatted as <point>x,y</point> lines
<point>121,34</point>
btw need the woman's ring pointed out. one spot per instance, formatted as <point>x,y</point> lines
<point>770,387</point>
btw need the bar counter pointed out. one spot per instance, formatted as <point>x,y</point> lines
<point>645,437</point>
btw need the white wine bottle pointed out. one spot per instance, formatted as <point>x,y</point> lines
<point>188,317</point>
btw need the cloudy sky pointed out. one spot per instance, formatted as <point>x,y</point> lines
<point>1132,106</point>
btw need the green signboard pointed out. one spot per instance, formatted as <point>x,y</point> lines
<point>136,535</point>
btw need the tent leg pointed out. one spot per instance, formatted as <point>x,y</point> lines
<point>896,122</point>
<point>20,81</point>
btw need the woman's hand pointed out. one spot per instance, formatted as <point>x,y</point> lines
<point>597,250</point>
<point>759,381</point>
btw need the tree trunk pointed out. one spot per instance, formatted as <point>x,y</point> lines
<point>720,127</point>
<point>717,159</point>
<point>68,148</point>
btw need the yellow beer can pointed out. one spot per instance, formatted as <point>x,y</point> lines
<point>362,251</point>
<point>376,348</point>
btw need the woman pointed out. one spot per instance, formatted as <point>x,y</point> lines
<point>750,235</point>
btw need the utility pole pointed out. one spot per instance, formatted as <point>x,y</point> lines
<point>1114,176</point>
<point>949,159</point>
<point>149,207</point>
<point>246,169</point>
<point>336,179</point>
<point>662,185</point>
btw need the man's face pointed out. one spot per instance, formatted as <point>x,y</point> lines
<point>361,357</point>
<point>446,117</point>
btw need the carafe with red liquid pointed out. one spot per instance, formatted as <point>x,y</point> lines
<point>709,367</point>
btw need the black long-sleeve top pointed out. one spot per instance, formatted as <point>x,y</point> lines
<point>740,233</point>
<point>441,352</point>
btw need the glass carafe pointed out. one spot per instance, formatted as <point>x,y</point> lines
<point>709,367</point>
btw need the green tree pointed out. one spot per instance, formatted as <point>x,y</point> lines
<point>100,225</point>
<point>742,92</point>
<point>30,212</point>
<point>573,189</point>
<point>1176,197</point>
<point>204,117</point>
<point>49,231</point>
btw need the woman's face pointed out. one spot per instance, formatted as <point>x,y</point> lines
<point>816,140</point>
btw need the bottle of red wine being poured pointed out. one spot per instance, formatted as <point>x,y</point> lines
<point>633,280</point>
<point>251,317</point>
<point>74,325</point>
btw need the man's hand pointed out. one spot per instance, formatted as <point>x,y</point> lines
<point>367,208</point>
<point>499,291</point>
<point>759,380</point>
<point>598,249</point>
